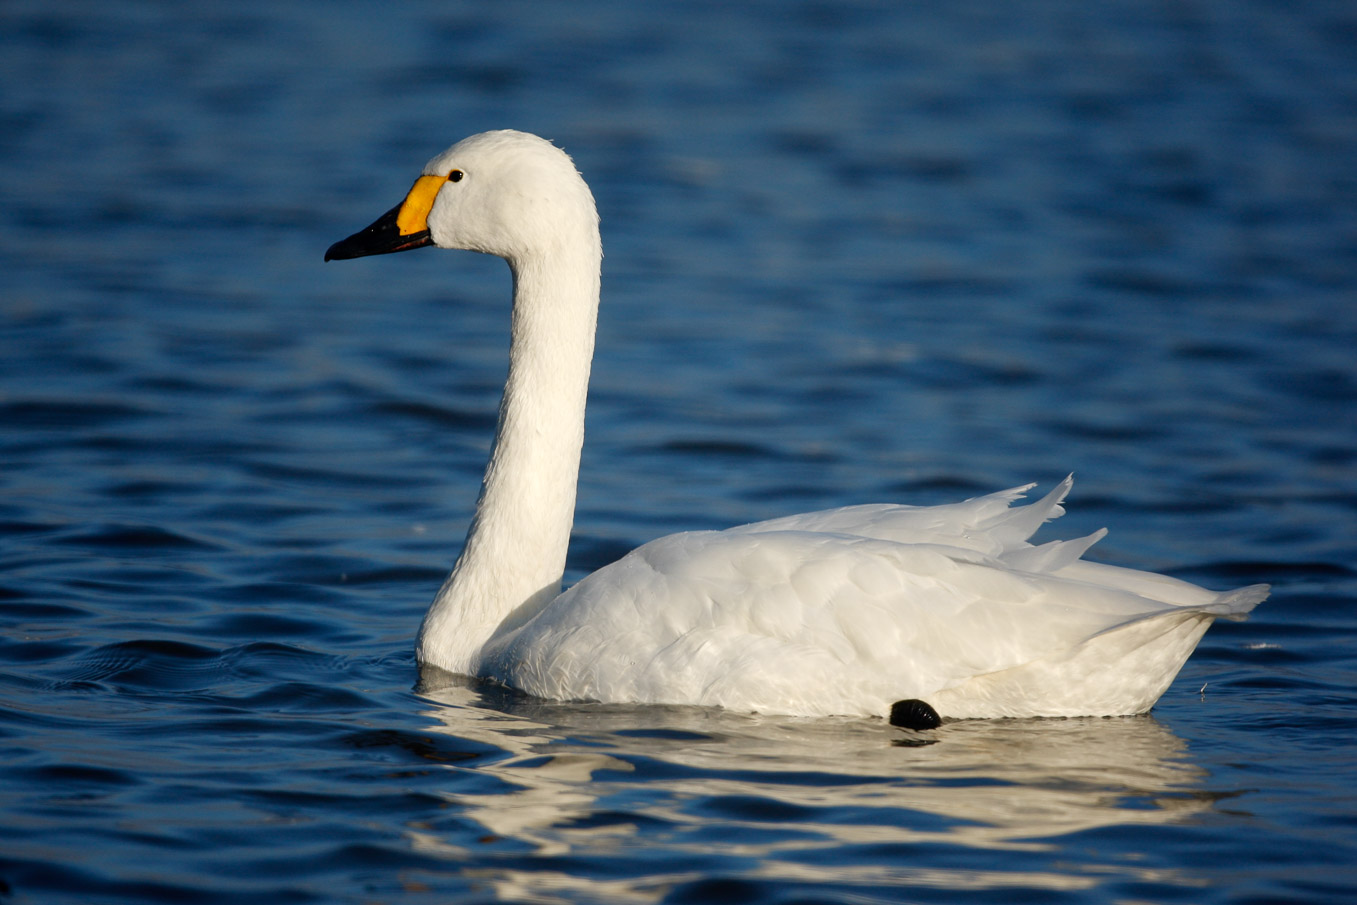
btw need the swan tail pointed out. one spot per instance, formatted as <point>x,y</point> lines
<point>1235,605</point>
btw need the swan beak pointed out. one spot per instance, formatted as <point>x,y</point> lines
<point>402,228</point>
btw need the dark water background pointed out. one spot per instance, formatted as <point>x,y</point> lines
<point>854,252</point>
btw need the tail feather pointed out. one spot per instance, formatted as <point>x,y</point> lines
<point>1236,604</point>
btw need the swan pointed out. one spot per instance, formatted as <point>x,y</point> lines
<point>914,614</point>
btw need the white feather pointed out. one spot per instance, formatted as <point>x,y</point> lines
<point>843,611</point>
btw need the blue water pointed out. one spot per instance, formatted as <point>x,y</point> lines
<point>855,252</point>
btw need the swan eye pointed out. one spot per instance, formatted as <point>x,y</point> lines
<point>455,176</point>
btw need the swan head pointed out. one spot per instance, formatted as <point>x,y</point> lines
<point>503,193</point>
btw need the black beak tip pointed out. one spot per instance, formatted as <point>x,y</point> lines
<point>378,239</point>
<point>383,237</point>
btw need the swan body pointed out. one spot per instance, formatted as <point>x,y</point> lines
<point>844,611</point>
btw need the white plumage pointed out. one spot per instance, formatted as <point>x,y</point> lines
<point>844,611</point>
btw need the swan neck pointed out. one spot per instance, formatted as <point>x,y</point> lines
<point>514,556</point>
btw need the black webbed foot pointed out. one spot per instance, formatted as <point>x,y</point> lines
<point>914,714</point>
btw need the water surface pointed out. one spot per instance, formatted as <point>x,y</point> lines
<point>854,253</point>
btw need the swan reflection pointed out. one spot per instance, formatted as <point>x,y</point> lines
<point>598,780</point>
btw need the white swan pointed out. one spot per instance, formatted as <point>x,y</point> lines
<point>880,610</point>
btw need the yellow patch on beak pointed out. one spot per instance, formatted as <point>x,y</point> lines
<point>414,212</point>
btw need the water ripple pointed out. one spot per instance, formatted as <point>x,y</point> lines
<point>854,252</point>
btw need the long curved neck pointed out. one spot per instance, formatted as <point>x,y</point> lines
<point>514,556</point>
